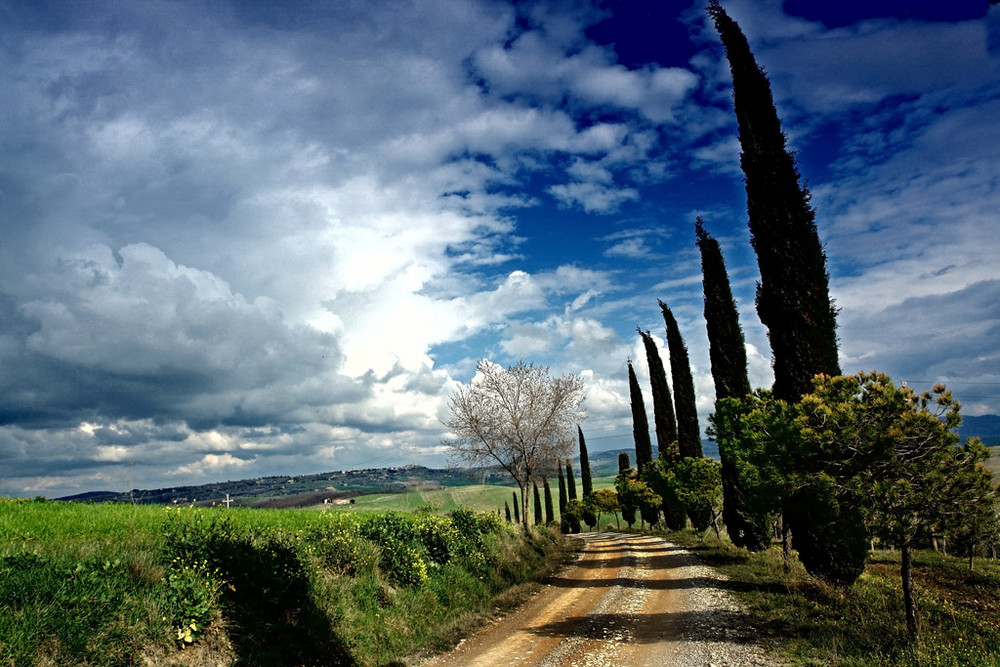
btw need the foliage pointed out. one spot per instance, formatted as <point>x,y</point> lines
<point>726,343</point>
<point>688,431</point>
<point>856,458</point>
<point>640,425</point>
<point>661,479</point>
<point>549,514</point>
<point>627,500</point>
<point>519,418</point>
<point>571,517</point>
<point>749,485</point>
<point>664,420</point>
<point>585,476</point>
<point>603,501</point>
<point>793,299</point>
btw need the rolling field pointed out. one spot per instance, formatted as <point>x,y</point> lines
<point>482,498</point>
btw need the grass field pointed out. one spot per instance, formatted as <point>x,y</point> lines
<point>482,498</point>
<point>113,584</point>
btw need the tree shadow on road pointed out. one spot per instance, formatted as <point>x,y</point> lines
<point>710,625</point>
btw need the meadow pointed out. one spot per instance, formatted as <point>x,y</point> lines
<point>807,622</point>
<point>116,584</point>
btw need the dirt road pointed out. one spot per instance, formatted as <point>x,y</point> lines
<point>628,600</point>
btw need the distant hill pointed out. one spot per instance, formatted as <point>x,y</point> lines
<point>984,427</point>
<point>301,490</point>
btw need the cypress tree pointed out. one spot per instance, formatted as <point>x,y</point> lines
<point>688,433</point>
<point>727,351</point>
<point>623,462</point>
<point>571,495</point>
<point>506,509</point>
<point>726,344</point>
<point>562,491</point>
<point>793,296</point>
<point>640,425</point>
<point>664,420</point>
<point>538,503</point>
<point>517,512</point>
<point>585,476</point>
<point>550,515</point>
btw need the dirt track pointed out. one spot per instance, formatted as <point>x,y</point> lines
<point>628,600</point>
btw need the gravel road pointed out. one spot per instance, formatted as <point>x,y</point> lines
<point>627,600</point>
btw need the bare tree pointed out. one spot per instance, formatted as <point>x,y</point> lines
<point>519,418</point>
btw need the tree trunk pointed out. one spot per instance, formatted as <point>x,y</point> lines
<point>909,602</point>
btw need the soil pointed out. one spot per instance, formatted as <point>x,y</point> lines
<point>627,600</point>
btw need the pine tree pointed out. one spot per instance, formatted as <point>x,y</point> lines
<point>517,513</point>
<point>538,504</point>
<point>550,515</point>
<point>727,351</point>
<point>640,425</point>
<point>585,476</point>
<point>688,432</point>
<point>793,297</point>
<point>726,344</point>
<point>664,420</point>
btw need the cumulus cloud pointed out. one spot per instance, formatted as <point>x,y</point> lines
<point>239,240</point>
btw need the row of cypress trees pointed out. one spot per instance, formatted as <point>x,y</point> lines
<point>793,300</point>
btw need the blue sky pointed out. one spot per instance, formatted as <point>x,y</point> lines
<point>243,239</point>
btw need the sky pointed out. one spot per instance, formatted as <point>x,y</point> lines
<point>244,238</point>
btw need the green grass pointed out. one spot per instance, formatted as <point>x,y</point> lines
<point>809,623</point>
<point>482,498</point>
<point>121,585</point>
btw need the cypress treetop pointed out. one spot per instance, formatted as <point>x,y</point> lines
<point>664,420</point>
<point>726,344</point>
<point>793,297</point>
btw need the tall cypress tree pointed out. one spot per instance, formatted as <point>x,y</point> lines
<point>517,511</point>
<point>538,503</point>
<point>640,425</point>
<point>793,297</point>
<point>585,477</point>
<point>688,433</point>
<point>727,351</point>
<point>550,515</point>
<point>562,490</point>
<point>726,344</point>
<point>664,420</point>
<point>574,521</point>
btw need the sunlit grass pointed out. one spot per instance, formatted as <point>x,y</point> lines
<point>120,584</point>
<point>810,623</point>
